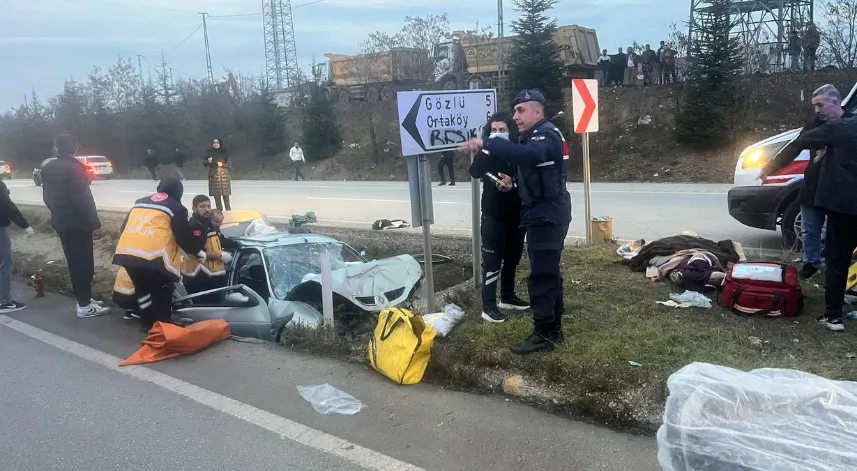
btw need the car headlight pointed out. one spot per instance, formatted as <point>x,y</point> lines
<point>757,157</point>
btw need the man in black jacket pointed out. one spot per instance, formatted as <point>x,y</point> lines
<point>502,236</point>
<point>178,160</point>
<point>812,218</point>
<point>836,194</point>
<point>66,193</point>
<point>8,214</point>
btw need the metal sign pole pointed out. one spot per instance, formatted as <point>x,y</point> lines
<point>477,234</point>
<point>428,219</point>
<point>326,290</point>
<point>587,190</point>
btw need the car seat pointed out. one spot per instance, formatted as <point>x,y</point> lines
<point>258,281</point>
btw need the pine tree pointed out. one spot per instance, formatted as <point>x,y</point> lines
<point>535,61</point>
<point>321,134</point>
<point>711,93</point>
<point>272,128</point>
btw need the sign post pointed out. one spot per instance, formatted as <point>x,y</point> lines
<point>585,110</point>
<point>431,122</point>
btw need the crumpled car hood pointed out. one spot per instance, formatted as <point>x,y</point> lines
<point>372,286</point>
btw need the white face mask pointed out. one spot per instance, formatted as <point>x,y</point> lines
<point>501,135</point>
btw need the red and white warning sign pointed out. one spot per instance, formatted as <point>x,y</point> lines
<point>585,105</point>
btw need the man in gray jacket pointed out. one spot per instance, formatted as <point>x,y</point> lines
<point>836,195</point>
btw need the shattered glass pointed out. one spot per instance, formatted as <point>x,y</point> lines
<point>288,265</point>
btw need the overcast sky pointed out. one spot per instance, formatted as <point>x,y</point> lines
<point>43,42</point>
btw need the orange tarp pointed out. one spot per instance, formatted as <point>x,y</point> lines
<point>167,341</point>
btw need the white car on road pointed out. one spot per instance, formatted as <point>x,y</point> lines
<point>102,167</point>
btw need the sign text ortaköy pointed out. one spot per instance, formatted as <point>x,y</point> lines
<point>443,120</point>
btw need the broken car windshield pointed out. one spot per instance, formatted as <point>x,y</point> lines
<point>289,265</point>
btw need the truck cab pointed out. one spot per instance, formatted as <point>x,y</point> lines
<point>772,202</point>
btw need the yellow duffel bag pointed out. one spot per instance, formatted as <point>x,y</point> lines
<point>401,345</point>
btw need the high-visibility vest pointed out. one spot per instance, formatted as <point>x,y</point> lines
<point>148,241</point>
<point>192,267</point>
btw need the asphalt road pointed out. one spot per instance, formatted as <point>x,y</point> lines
<point>639,210</point>
<point>66,405</point>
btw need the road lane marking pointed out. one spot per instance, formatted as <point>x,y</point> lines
<point>285,428</point>
<point>376,200</point>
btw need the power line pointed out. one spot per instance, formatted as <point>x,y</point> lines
<point>182,42</point>
<point>240,15</point>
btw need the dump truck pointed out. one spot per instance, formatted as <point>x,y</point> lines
<point>471,60</point>
<point>375,76</point>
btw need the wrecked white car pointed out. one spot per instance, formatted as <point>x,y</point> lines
<point>275,283</point>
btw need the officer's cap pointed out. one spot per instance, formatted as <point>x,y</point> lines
<point>528,95</point>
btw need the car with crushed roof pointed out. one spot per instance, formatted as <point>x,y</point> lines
<point>274,283</point>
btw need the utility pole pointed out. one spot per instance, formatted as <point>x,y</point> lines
<point>501,53</point>
<point>207,49</point>
<point>140,65</point>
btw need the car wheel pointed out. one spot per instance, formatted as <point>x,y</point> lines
<point>791,227</point>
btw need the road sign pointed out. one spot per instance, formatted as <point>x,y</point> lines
<point>444,120</point>
<point>584,94</point>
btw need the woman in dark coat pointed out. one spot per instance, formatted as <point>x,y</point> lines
<point>218,165</point>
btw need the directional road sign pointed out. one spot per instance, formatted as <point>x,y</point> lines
<point>585,105</point>
<point>443,120</point>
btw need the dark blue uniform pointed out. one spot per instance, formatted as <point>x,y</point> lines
<point>541,159</point>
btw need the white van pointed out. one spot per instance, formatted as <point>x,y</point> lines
<point>773,202</point>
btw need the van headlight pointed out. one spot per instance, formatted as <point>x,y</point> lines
<point>757,157</point>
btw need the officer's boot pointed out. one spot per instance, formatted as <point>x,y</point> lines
<point>556,335</point>
<point>538,341</point>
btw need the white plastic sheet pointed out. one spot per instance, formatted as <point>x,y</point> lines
<point>326,399</point>
<point>258,228</point>
<point>719,418</point>
<point>443,322</point>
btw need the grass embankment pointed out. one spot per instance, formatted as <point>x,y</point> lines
<point>612,319</point>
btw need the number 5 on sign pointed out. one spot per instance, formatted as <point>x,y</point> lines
<point>585,105</point>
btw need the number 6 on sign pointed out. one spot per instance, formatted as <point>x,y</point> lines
<point>584,94</point>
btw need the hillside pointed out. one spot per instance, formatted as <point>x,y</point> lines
<point>635,142</point>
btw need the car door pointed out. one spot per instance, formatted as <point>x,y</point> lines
<point>246,314</point>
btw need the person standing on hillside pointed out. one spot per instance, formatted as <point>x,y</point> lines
<point>447,159</point>
<point>65,189</point>
<point>502,235</point>
<point>178,160</point>
<point>9,213</point>
<point>219,182</point>
<point>604,66</point>
<point>651,66</point>
<point>297,156</point>
<point>541,159</point>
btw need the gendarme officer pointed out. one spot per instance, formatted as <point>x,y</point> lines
<point>541,159</point>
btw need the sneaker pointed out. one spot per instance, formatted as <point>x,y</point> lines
<point>514,302</point>
<point>808,271</point>
<point>130,315</point>
<point>92,310</point>
<point>533,344</point>
<point>452,184</point>
<point>492,314</point>
<point>835,325</point>
<point>12,306</point>
<point>93,301</point>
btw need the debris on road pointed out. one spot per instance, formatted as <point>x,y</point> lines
<point>326,399</point>
<point>687,299</point>
<point>443,322</point>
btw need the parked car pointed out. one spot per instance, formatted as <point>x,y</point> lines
<point>37,172</point>
<point>102,167</point>
<point>5,170</point>
<point>274,283</point>
<point>773,202</point>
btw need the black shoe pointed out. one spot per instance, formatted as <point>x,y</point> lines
<point>452,184</point>
<point>557,336</point>
<point>130,315</point>
<point>514,302</point>
<point>12,306</point>
<point>533,344</point>
<point>441,184</point>
<point>807,271</point>
<point>492,314</point>
<point>834,324</point>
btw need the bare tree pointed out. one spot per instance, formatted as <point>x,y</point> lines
<point>839,33</point>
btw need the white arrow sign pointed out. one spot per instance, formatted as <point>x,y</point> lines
<point>437,121</point>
